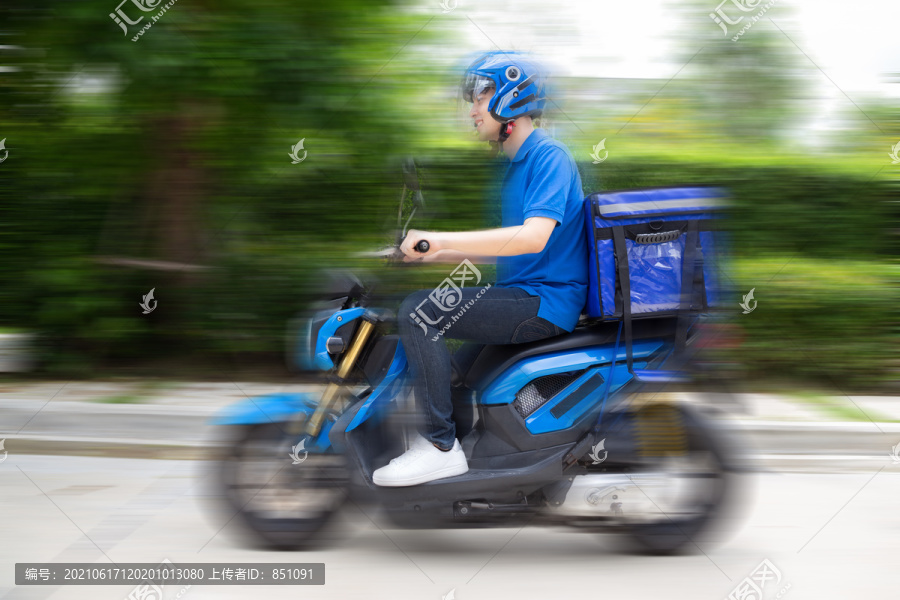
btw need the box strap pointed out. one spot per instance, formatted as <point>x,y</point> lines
<point>618,233</point>
<point>598,288</point>
<point>688,267</point>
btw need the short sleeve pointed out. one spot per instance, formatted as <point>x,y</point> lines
<point>548,188</point>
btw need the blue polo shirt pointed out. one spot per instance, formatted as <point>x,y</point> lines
<point>543,181</point>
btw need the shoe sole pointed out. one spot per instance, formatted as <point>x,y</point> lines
<point>442,474</point>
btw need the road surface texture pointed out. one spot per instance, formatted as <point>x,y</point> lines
<point>828,535</point>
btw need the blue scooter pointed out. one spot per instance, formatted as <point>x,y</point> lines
<point>551,429</point>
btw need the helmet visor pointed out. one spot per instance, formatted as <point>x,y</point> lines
<point>473,85</point>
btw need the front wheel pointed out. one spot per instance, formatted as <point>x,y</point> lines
<point>285,502</point>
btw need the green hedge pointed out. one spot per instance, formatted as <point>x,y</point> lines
<point>831,324</point>
<point>814,243</point>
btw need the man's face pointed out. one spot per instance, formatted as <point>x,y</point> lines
<point>487,127</point>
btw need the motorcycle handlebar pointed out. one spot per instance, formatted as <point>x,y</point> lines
<point>422,246</point>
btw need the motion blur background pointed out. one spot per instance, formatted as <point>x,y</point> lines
<point>164,163</point>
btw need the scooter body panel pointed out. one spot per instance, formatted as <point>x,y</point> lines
<point>377,404</point>
<point>339,319</point>
<point>503,389</point>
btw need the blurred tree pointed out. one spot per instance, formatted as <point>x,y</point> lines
<point>160,137</point>
<point>752,87</point>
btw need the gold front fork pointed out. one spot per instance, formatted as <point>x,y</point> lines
<point>348,360</point>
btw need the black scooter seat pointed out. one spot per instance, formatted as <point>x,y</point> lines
<point>492,360</point>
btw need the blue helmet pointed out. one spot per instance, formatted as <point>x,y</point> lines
<point>518,82</point>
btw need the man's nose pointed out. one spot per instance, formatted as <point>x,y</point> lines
<point>472,112</point>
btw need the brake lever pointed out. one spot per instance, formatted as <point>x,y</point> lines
<point>406,226</point>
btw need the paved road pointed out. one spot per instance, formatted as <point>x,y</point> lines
<point>829,535</point>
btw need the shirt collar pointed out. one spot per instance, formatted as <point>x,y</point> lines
<point>533,138</point>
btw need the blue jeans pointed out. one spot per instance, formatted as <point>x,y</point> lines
<point>495,315</point>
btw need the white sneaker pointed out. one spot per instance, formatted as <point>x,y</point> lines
<point>421,463</point>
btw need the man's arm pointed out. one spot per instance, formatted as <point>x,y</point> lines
<point>528,238</point>
<point>452,256</point>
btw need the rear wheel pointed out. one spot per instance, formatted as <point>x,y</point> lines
<point>287,505</point>
<point>686,484</point>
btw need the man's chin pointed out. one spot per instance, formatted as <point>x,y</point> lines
<point>484,136</point>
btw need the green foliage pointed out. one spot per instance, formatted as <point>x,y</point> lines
<point>183,160</point>
<point>823,321</point>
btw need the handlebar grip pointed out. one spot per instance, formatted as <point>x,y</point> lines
<point>423,246</point>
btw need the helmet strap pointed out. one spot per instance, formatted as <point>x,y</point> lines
<point>506,130</point>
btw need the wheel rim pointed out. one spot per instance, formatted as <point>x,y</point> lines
<point>266,485</point>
